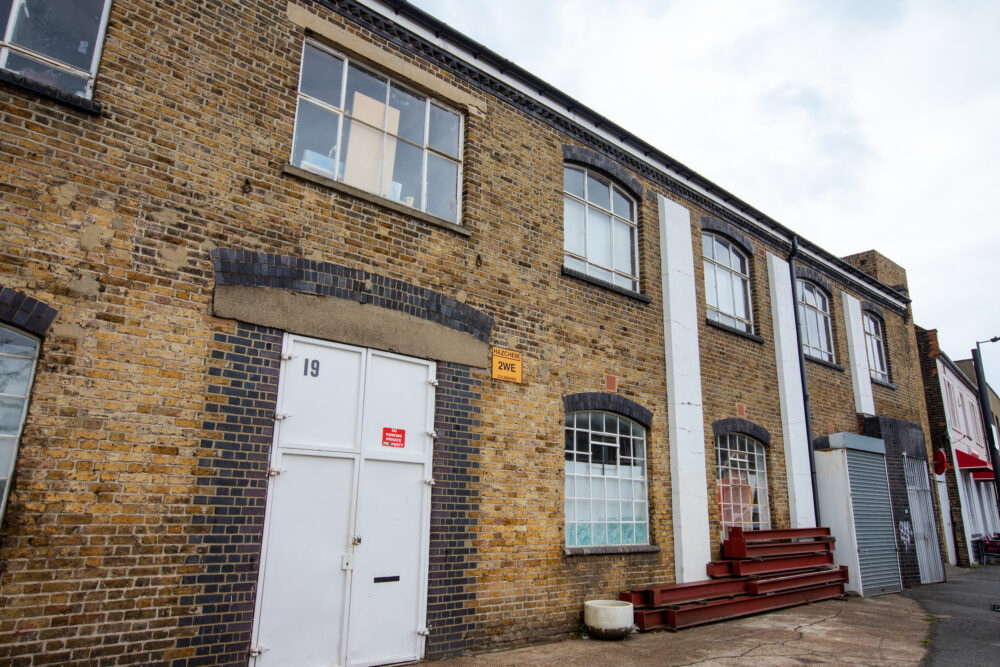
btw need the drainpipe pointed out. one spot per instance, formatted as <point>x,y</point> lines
<point>802,373</point>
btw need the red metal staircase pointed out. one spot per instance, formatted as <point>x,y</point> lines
<point>761,570</point>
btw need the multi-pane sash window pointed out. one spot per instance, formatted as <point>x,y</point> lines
<point>727,283</point>
<point>600,229</point>
<point>814,321</point>
<point>742,483</point>
<point>360,128</point>
<point>605,480</point>
<point>18,354</point>
<point>56,43</point>
<point>875,344</point>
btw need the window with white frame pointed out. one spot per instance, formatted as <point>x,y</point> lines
<point>814,320</point>
<point>18,354</point>
<point>742,482</point>
<point>727,283</point>
<point>600,233</point>
<point>878,365</point>
<point>365,130</point>
<point>56,43</point>
<point>605,480</point>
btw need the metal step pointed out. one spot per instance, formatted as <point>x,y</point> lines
<point>687,615</point>
<point>766,585</point>
<point>759,549</point>
<point>735,532</point>
<point>659,596</point>
<point>746,568</point>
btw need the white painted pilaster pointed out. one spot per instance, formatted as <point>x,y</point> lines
<point>864,399</point>
<point>793,414</point>
<point>689,483</point>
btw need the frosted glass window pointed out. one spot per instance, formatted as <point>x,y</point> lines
<point>55,44</point>
<point>365,130</point>
<point>605,480</point>
<point>600,234</point>
<point>18,356</point>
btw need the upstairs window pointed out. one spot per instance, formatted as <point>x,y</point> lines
<point>878,365</point>
<point>361,128</point>
<point>56,43</point>
<point>600,228</point>
<point>727,283</point>
<point>18,354</point>
<point>605,480</point>
<point>814,321</point>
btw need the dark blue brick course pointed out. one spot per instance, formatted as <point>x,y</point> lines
<point>24,312</point>
<point>610,402</point>
<point>248,268</point>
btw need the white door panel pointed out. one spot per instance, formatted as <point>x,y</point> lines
<point>303,582</point>
<point>321,396</point>
<point>345,556</point>
<point>398,401</point>
<point>387,583</point>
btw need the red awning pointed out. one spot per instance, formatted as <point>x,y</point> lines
<point>969,462</point>
<point>983,476</point>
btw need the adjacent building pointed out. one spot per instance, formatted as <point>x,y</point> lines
<point>329,335</point>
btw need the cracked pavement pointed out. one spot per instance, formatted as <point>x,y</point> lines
<point>884,630</point>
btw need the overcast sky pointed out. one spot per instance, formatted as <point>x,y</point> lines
<point>859,124</point>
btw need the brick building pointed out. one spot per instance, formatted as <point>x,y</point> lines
<point>967,488</point>
<point>253,266</point>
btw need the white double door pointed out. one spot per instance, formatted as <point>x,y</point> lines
<point>343,576</point>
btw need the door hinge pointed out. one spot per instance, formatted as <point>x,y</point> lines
<point>432,434</point>
<point>287,356</point>
<point>429,481</point>
<point>424,632</point>
<point>274,472</point>
<point>257,650</point>
<point>279,416</point>
<point>432,383</point>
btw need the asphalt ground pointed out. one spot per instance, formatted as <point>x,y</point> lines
<point>966,613</point>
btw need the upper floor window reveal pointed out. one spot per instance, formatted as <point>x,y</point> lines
<point>56,43</point>
<point>875,344</point>
<point>605,480</point>
<point>814,321</point>
<point>18,354</point>
<point>600,228</point>
<point>727,283</point>
<point>365,130</point>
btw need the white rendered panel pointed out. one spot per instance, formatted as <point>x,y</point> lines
<point>321,396</point>
<point>303,585</point>
<point>864,400</point>
<point>692,547</point>
<point>793,414</point>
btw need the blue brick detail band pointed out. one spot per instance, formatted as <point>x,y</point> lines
<point>249,268</point>
<point>22,311</point>
<point>225,536</point>
<point>610,402</point>
<point>728,230</point>
<point>740,425</point>
<point>454,505</point>
<point>594,159</point>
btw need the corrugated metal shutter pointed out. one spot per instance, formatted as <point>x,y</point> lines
<point>873,523</point>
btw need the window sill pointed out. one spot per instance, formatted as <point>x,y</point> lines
<point>572,273</point>
<point>824,362</point>
<point>81,103</point>
<point>733,330</point>
<point>883,383</point>
<point>611,550</point>
<point>306,175</point>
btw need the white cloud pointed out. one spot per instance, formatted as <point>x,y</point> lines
<point>858,124</point>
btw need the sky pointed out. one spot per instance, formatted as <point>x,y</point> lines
<point>859,124</point>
